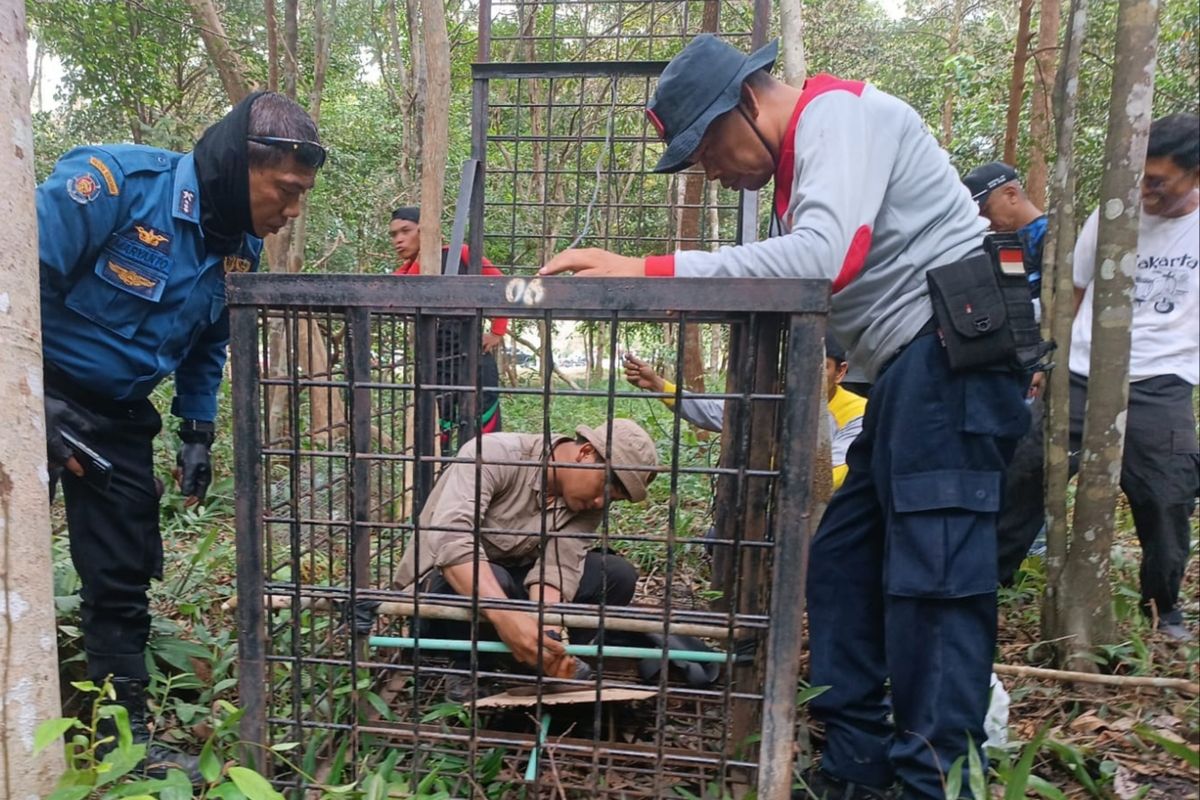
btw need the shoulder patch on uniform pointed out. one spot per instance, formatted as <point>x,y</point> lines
<point>152,238</point>
<point>133,158</point>
<point>109,181</point>
<point>237,264</point>
<point>187,201</point>
<point>83,188</point>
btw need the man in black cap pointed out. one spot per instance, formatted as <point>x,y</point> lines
<point>135,243</point>
<point>867,199</point>
<point>1002,201</point>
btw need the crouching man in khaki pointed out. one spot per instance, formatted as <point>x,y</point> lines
<point>521,482</point>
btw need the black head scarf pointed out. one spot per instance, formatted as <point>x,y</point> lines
<point>408,214</point>
<point>223,170</point>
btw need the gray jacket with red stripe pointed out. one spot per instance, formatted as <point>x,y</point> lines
<point>870,202</point>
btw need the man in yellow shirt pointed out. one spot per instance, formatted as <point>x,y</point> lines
<point>846,409</point>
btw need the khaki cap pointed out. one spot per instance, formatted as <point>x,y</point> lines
<point>633,452</point>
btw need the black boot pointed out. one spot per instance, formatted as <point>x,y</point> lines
<point>819,785</point>
<point>159,759</point>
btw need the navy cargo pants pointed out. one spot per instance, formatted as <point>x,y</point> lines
<point>902,575</point>
<point>115,541</point>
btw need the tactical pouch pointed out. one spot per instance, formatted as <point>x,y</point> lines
<point>971,313</point>
<point>1012,276</point>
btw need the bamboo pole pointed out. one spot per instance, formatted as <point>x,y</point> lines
<point>431,610</point>
<point>1130,681</point>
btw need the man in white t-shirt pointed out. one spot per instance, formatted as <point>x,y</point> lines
<point>1160,471</point>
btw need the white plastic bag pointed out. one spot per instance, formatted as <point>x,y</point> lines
<point>995,724</point>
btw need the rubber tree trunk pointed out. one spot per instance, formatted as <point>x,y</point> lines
<point>791,35</point>
<point>1016,90</point>
<point>1088,618</point>
<point>1058,309</point>
<point>958,12</point>
<point>229,63</point>
<point>1045,57</point>
<point>29,691</point>
<point>436,133</point>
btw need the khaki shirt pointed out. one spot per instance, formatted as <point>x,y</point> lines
<point>511,507</point>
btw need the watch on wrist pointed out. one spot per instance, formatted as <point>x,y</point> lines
<point>196,432</point>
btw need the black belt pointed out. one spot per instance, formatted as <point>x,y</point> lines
<point>928,328</point>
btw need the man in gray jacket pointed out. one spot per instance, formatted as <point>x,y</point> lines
<point>867,200</point>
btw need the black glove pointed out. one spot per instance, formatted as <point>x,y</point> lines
<point>61,414</point>
<point>193,459</point>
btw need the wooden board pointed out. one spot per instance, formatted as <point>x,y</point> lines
<point>506,700</point>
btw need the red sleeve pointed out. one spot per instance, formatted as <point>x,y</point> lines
<point>660,266</point>
<point>499,324</point>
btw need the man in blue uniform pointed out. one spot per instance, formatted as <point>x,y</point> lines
<point>134,244</point>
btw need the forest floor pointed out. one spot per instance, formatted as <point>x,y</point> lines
<point>1095,741</point>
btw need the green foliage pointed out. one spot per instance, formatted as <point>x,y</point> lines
<point>138,70</point>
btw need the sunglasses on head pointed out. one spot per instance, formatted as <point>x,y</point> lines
<point>310,154</point>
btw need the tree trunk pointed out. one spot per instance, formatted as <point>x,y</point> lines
<point>1045,57</point>
<point>690,195</point>
<point>228,62</point>
<point>291,37</point>
<point>436,136</point>
<point>327,408</point>
<point>1016,91</point>
<point>418,89</point>
<point>29,693</point>
<point>272,46</point>
<point>1088,618</point>
<point>950,93</point>
<point>791,24</point>
<point>1058,309</point>
<point>396,58</point>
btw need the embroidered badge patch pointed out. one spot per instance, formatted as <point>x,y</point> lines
<point>131,278</point>
<point>187,200</point>
<point>236,264</point>
<point>109,181</point>
<point>83,188</point>
<point>148,236</point>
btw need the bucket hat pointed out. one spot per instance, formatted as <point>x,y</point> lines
<point>699,85</point>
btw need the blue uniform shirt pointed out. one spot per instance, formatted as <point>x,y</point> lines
<point>129,294</point>
<point>1032,238</point>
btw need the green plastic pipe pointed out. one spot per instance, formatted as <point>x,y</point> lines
<point>590,650</point>
<point>543,729</point>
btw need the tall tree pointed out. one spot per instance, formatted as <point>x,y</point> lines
<point>417,88</point>
<point>272,25</point>
<point>791,35</point>
<point>1016,92</point>
<point>228,61</point>
<point>958,13</point>
<point>1087,619</point>
<point>1058,308</point>
<point>1045,57</point>
<point>29,691</point>
<point>691,193</point>
<point>436,133</point>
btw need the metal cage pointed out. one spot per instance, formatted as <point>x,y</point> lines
<point>328,499</point>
